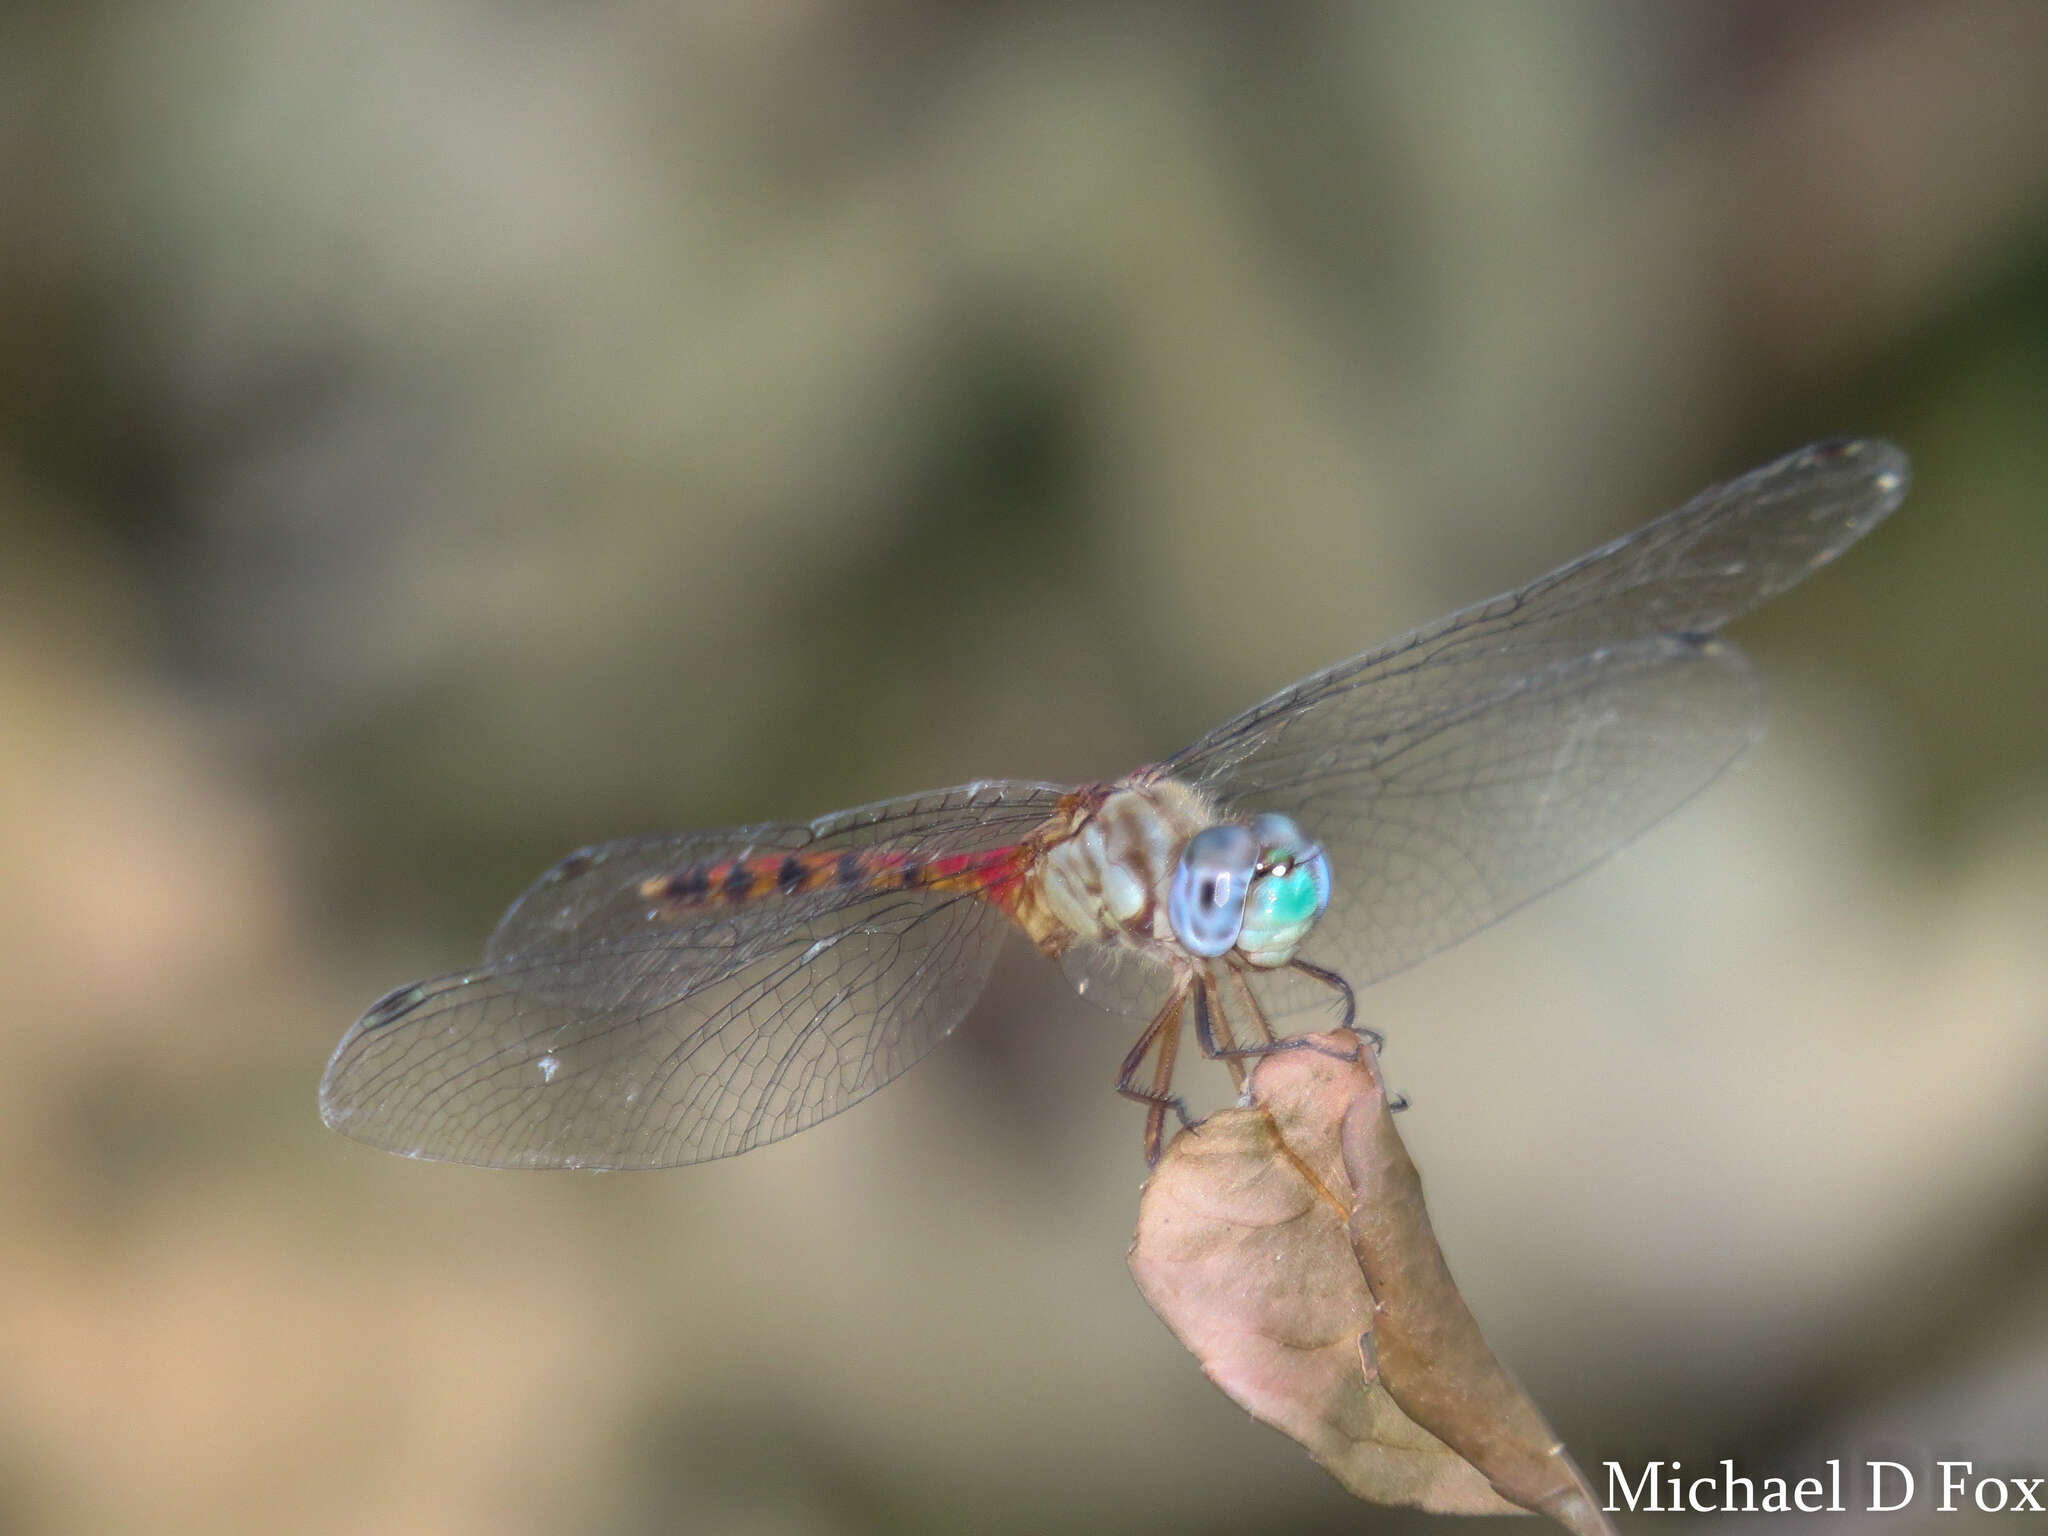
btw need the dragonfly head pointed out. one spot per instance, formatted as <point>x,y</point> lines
<point>1257,887</point>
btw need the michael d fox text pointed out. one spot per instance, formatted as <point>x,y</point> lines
<point>1836,1488</point>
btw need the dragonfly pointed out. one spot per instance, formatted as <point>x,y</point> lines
<point>669,999</point>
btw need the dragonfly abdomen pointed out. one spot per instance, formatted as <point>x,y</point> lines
<point>756,877</point>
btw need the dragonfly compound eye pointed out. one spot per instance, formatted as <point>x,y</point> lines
<point>1290,890</point>
<point>1206,905</point>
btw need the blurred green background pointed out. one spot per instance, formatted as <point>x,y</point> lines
<point>434,435</point>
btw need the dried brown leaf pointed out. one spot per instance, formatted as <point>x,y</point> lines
<point>1286,1243</point>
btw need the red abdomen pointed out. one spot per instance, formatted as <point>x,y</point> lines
<point>731,882</point>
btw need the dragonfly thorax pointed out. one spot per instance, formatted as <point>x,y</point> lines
<point>1151,865</point>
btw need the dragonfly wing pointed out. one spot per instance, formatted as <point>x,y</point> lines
<point>1477,762</point>
<point>1117,978</point>
<point>1457,822</point>
<point>603,1032</point>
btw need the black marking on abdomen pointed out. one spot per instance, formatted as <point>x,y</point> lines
<point>685,885</point>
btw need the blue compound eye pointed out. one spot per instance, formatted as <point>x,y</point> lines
<point>1290,891</point>
<point>1206,904</point>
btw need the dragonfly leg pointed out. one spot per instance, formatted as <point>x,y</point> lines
<point>1212,1034</point>
<point>1396,1102</point>
<point>1162,1096</point>
<point>1164,1031</point>
<point>1227,1049</point>
<point>1343,989</point>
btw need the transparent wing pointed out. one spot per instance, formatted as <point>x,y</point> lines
<point>1462,819</point>
<point>602,1033</point>
<point>1481,760</point>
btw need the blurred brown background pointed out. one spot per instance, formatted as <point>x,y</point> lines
<point>437,434</point>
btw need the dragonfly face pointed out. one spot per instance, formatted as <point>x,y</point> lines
<point>668,999</point>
